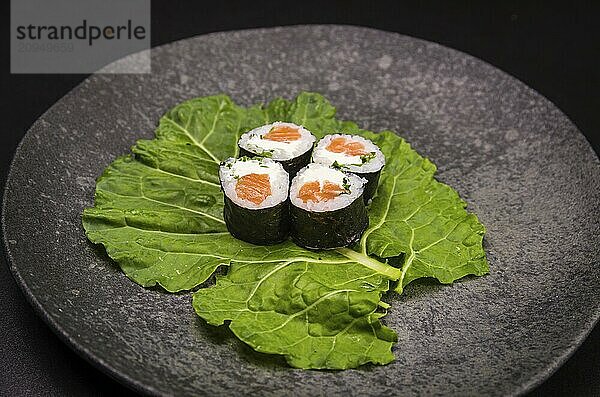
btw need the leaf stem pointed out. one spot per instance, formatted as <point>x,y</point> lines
<point>381,268</point>
<point>400,287</point>
<point>384,305</point>
<point>363,239</point>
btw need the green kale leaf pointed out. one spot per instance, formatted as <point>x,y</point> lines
<point>158,213</point>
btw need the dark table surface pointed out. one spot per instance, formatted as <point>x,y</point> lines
<point>553,49</point>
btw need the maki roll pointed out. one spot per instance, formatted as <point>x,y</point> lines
<point>355,154</point>
<point>327,208</point>
<point>287,143</point>
<point>256,192</point>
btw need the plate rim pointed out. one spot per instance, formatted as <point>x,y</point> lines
<point>38,307</point>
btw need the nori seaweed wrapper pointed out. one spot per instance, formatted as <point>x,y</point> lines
<point>292,166</point>
<point>371,185</point>
<point>329,229</point>
<point>264,226</point>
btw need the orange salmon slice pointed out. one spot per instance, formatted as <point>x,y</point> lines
<point>346,146</point>
<point>311,191</point>
<point>283,133</point>
<point>254,187</point>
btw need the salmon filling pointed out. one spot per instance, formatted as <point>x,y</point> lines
<point>253,187</point>
<point>283,133</point>
<point>311,191</point>
<point>346,146</point>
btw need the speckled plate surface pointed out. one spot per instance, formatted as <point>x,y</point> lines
<point>522,166</point>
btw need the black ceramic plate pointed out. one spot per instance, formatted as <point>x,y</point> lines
<point>522,166</point>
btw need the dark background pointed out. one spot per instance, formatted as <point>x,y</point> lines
<point>552,48</point>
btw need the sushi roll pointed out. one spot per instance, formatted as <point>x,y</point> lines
<point>352,153</point>
<point>256,205</point>
<point>327,208</point>
<point>287,143</point>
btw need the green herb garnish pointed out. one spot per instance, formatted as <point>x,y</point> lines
<point>365,158</point>
<point>346,185</point>
<point>337,165</point>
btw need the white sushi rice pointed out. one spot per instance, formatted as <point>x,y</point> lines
<point>350,163</point>
<point>253,141</point>
<point>321,173</point>
<point>233,169</point>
